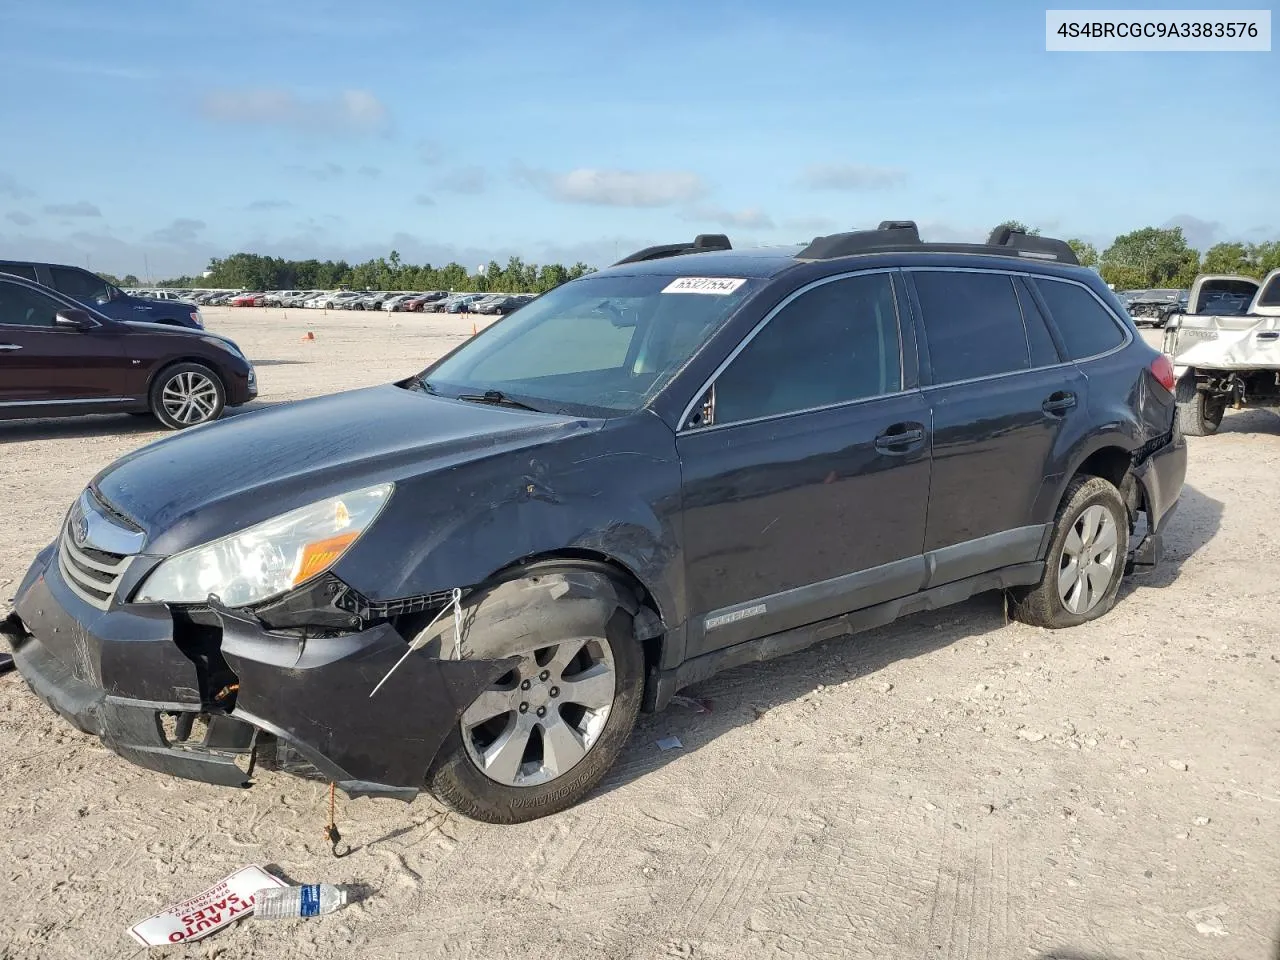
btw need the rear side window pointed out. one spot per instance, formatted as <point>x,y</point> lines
<point>1087,329</point>
<point>835,343</point>
<point>973,324</point>
<point>81,285</point>
<point>1044,352</point>
<point>18,270</point>
<point>23,307</point>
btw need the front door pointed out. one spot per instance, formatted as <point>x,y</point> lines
<point>42,365</point>
<point>806,480</point>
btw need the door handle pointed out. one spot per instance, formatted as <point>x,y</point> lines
<point>10,346</point>
<point>1059,402</point>
<point>900,438</point>
<point>1268,335</point>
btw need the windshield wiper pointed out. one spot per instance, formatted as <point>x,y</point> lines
<point>496,397</point>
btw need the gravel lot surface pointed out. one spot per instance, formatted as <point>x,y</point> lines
<point>951,786</point>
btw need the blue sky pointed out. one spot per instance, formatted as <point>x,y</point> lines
<point>146,134</point>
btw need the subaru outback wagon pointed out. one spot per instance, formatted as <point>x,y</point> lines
<point>472,580</point>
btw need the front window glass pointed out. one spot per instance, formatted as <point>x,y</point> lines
<point>595,346</point>
<point>81,285</point>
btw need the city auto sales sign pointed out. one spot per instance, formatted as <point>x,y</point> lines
<point>224,902</point>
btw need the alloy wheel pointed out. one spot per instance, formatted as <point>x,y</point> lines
<point>189,398</point>
<point>543,716</point>
<point>1088,560</point>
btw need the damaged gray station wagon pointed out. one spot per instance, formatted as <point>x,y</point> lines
<point>696,458</point>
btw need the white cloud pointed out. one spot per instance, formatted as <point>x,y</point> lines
<point>20,218</point>
<point>10,187</point>
<point>1200,234</point>
<point>816,225</point>
<point>349,111</point>
<point>326,171</point>
<point>81,208</point>
<point>850,176</point>
<point>181,231</point>
<point>616,188</point>
<point>752,218</point>
<point>468,180</point>
<point>423,200</point>
<point>269,205</point>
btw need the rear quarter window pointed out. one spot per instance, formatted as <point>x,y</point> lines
<point>1087,329</point>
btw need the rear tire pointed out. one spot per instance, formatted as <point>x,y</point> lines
<point>1086,559</point>
<point>1199,415</point>
<point>187,395</point>
<point>500,764</point>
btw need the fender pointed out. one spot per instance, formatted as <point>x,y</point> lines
<point>565,499</point>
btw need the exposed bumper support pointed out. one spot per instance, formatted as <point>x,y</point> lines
<point>120,675</point>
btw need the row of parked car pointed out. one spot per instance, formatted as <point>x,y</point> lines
<point>431,301</point>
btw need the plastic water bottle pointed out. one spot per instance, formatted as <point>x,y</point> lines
<point>289,903</point>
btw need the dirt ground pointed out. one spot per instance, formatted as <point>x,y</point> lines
<point>951,786</point>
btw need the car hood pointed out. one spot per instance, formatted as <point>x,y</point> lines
<point>213,480</point>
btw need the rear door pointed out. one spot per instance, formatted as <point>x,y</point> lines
<point>805,468</point>
<point>44,365</point>
<point>1004,406</point>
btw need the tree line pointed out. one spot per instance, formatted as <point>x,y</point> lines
<point>1142,259</point>
<point>1154,257</point>
<point>251,271</point>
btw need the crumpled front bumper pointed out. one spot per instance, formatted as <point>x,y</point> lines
<point>123,675</point>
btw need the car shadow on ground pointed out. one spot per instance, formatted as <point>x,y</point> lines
<point>745,694</point>
<point>102,425</point>
<point>1255,420</point>
<point>1195,523</point>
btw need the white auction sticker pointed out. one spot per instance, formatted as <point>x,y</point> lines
<point>721,286</point>
<point>1126,31</point>
<point>224,902</point>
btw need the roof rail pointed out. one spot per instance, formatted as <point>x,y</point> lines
<point>1036,248</point>
<point>903,235</point>
<point>701,244</point>
<point>890,233</point>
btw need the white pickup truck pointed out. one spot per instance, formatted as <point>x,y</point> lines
<point>1225,349</point>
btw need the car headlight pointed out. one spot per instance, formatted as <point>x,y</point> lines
<point>270,558</point>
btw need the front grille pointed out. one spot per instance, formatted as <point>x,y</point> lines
<point>91,574</point>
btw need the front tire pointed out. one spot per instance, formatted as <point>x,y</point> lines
<point>543,735</point>
<point>1086,559</point>
<point>187,395</point>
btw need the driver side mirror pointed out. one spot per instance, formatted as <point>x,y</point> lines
<point>70,319</point>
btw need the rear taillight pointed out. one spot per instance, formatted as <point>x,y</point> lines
<point>1162,370</point>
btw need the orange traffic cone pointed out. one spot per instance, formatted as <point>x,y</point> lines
<point>309,336</point>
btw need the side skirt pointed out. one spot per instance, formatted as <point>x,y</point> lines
<point>664,683</point>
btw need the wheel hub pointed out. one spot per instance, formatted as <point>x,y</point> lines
<point>1088,560</point>
<point>542,718</point>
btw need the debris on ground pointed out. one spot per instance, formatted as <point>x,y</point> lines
<point>224,902</point>
<point>306,900</point>
<point>1208,920</point>
<point>693,703</point>
<point>1031,736</point>
<point>670,743</point>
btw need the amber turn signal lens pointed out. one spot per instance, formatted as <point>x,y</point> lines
<point>319,556</point>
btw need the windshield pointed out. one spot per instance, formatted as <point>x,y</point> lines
<point>596,346</point>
